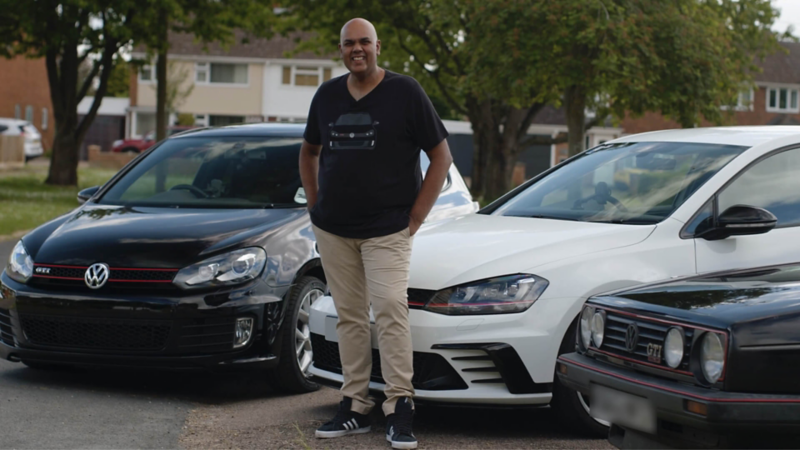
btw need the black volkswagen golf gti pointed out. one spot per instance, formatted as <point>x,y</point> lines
<point>704,362</point>
<point>196,254</point>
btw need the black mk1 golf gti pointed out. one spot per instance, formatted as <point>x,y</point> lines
<point>199,253</point>
<point>710,361</point>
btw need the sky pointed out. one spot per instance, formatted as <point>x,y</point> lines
<point>790,15</point>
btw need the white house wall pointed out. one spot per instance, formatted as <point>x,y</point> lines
<point>287,101</point>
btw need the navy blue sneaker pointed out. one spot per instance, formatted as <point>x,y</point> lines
<point>345,422</point>
<point>398,425</point>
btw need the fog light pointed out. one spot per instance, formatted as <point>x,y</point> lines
<point>562,368</point>
<point>243,332</point>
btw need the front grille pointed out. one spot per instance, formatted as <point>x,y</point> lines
<point>431,371</point>
<point>6,330</point>
<point>99,334</point>
<point>72,277</point>
<point>207,335</point>
<point>649,332</point>
<point>417,298</point>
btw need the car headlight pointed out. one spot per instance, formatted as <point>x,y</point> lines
<point>116,143</point>
<point>231,268</point>
<point>674,346</point>
<point>598,328</point>
<point>20,264</point>
<point>712,357</point>
<point>586,326</point>
<point>502,295</point>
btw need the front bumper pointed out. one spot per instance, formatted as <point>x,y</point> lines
<point>477,360</point>
<point>731,418</point>
<point>175,331</point>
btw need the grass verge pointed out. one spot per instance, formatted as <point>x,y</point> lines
<point>26,202</point>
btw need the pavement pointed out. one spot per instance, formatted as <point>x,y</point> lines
<point>88,409</point>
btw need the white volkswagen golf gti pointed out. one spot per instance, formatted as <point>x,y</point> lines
<point>494,297</point>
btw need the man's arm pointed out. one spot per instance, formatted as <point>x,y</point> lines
<point>441,159</point>
<point>309,170</point>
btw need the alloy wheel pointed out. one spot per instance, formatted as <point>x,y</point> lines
<point>302,334</point>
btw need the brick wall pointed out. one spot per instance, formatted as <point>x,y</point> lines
<point>23,82</point>
<point>758,116</point>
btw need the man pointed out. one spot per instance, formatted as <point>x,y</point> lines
<point>359,163</point>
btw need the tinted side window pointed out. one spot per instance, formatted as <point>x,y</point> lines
<point>772,184</point>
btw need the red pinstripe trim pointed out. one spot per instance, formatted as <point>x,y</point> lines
<point>57,278</point>
<point>669,322</point>
<point>55,265</point>
<point>140,281</point>
<point>110,268</point>
<point>416,304</point>
<point>676,391</point>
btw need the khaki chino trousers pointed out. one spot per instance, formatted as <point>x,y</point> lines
<point>372,271</point>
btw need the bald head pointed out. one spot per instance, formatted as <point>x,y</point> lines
<point>360,47</point>
<point>358,28</point>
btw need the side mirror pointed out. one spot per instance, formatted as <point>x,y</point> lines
<point>87,193</point>
<point>741,220</point>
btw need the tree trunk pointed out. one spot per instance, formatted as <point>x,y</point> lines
<point>161,95</point>
<point>66,149</point>
<point>62,74</point>
<point>575,109</point>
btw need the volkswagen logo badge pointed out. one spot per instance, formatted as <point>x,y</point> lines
<point>96,275</point>
<point>631,337</point>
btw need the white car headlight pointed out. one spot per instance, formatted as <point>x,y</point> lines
<point>674,345</point>
<point>585,326</point>
<point>231,268</point>
<point>20,264</point>
<point>502,295</point>
<point>116,143</point>
<point>712,357</point>
<point>598,328</point>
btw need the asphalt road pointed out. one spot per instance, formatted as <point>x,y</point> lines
<point>86,409</point>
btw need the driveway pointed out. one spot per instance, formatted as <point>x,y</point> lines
<point>75,408</point>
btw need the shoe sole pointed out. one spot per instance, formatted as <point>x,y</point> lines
<point>340,433</point>
<point>401,445</point>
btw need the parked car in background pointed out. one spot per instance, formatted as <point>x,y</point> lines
<point>199,253</point>
<point>140,145</point>
<point>32,137</point>
<point>494,297</point>
<point>701,362</point>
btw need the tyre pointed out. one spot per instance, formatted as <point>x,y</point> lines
<point>572,407</point>
<point>130,150</point>
<point>296,353</point>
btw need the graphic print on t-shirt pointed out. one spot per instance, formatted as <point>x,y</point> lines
<point>353,131</point>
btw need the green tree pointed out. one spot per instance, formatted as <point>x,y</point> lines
<point>499,62</point>
<point>67,33</point>
<point>119,82</point>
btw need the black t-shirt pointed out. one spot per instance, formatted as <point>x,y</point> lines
<point>369,173</point>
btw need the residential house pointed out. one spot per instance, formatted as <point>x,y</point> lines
<point>25,94</point>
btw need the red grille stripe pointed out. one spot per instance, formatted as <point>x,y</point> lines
<point>110,268</point>
<point>57,278</point>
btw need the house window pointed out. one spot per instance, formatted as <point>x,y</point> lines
<point>17,112</point>
<point>44,118</point>
<point>782,100</point>
<point>145,123</point>
<point>146,73</point>
<point>201,72</point>
<point>228,73</point>
<point>29,113</point>
<point>305,76</point>
<point>221,121</point>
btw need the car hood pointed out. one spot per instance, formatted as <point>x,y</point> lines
<point>478,246</point>
<point>151,237</point>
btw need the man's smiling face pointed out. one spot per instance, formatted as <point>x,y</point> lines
<point>359,47</point>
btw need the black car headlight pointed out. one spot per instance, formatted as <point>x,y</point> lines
<point>20,264</point>
<point>230,268</point>
<point>712,357</point>
<point>502,295</point>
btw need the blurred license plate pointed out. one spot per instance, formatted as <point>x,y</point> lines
<point>622,409</point>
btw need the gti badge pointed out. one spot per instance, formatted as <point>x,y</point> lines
<point>44,270</point>
<point>654,353</point>
<point>631,337</point>
<point>96,275</point>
